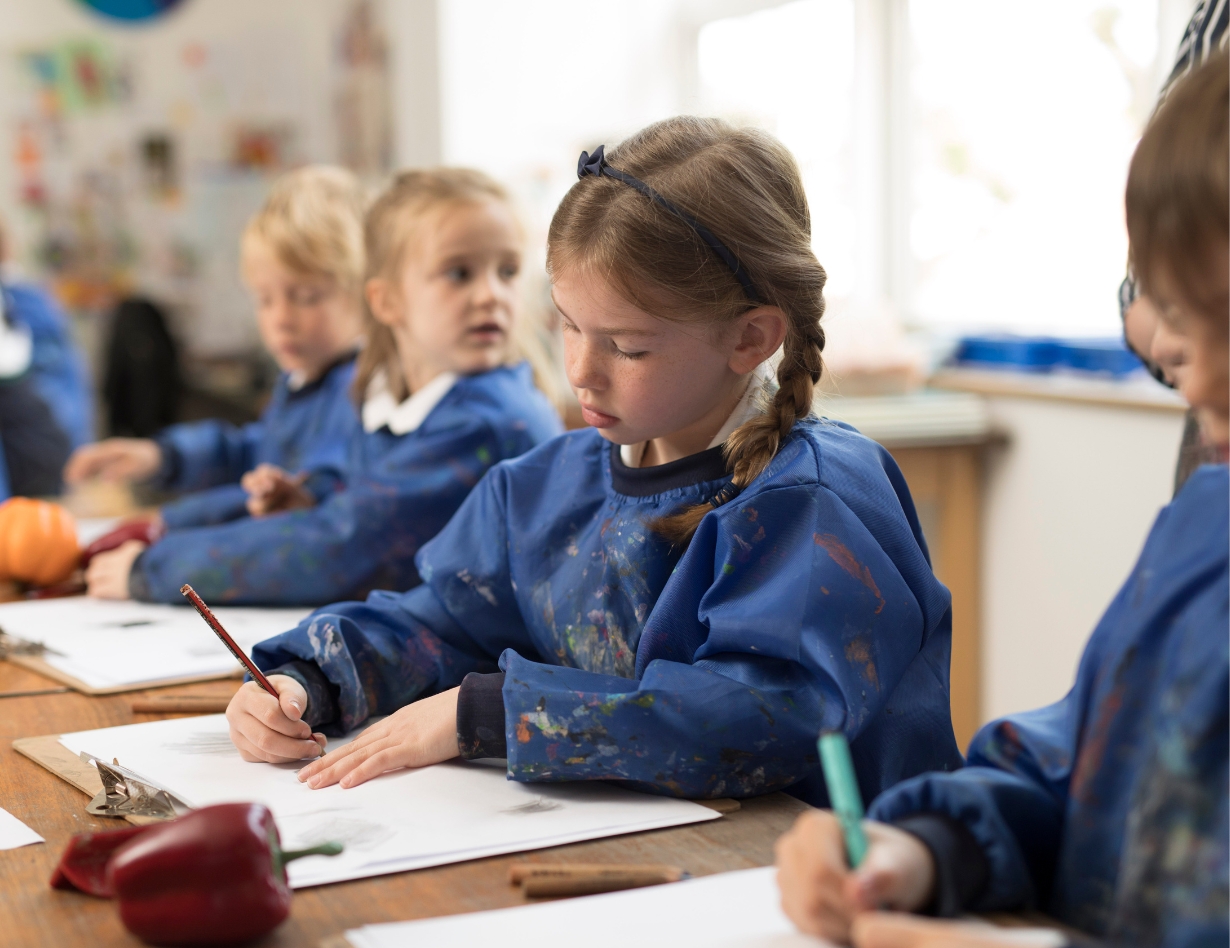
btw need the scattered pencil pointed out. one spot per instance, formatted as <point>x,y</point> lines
<point>544,880</point>
<point>180,704</point>
<point>33,692</point>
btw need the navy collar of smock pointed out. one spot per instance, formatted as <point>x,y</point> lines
<point>708,465</point>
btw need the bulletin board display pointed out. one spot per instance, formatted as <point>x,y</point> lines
<point>130,159</point>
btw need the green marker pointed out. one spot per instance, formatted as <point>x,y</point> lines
<point>843,793</point>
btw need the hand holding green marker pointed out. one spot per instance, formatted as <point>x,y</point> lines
<point>843,793</point>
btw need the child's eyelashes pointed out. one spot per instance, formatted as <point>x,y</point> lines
<point>630,355</point>
<point>462,274</point>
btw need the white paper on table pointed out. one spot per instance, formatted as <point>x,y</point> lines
<point>90,529</point>
<point>14,833</point>
<point>731,910</point>
<point>408,819</point>
<point>106,644</point>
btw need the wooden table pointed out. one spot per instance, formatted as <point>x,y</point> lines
<point>32,913</point>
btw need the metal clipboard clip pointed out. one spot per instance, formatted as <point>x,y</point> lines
<point>125,793</point>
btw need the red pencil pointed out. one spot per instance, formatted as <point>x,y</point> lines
<point>229,642</point>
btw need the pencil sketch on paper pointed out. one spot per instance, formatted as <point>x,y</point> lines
<point>208,743</point>
<point>355,833</point>
<point>537,805</point>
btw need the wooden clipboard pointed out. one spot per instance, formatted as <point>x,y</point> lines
<point>50,754</point>
<point>36,664</point>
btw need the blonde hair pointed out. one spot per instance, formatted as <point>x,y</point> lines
<point>389,230</point>
<point>745,187</point>
<point>312,222</point>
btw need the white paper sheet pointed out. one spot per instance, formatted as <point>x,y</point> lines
<point>14,833</point>
<point>407,819</point>
<point>106,644</point>
<point>731,909</point>
<point>90,529</point>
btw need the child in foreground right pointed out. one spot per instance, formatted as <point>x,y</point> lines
<point>1107,810</point>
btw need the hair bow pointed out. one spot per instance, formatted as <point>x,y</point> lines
<point>596,165</point>
<point>591,164</point>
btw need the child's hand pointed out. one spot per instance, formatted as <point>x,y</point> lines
<point>267,728</point>
<point>419,734</point>
<point>272,490</point>
<point>892,930</point>
<point>116,459</point>
<point>107,575</point>
<point>820,893</point>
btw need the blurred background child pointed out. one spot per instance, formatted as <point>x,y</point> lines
<point>1107,810</point>
<point>443,394</point>
<point>302,259</point>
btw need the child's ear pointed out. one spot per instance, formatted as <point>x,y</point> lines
<point>761,332</point>
<point>384,301</point>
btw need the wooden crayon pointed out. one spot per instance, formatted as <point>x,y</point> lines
<point>539,880</point>
<point>181,704</point>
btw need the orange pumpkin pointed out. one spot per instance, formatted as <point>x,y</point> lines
<point>38,542</point>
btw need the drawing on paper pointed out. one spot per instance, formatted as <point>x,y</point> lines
<point>537,805</point>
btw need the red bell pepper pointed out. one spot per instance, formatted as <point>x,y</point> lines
<point>216,876</point>
<point>148,532</point>
<point>84,862</point>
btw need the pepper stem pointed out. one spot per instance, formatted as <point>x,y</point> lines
<point>282,856</point>
<point>324,849</point>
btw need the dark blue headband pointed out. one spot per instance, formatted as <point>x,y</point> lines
<point>596,165</point>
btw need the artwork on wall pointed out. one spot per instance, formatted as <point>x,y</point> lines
<point>134,157</point>
<point>159,167</point>
<point>261,146</point>
<point>364,112</point>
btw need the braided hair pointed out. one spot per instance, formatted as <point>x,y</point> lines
<point>746,188</point>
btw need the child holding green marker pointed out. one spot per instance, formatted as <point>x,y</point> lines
<point>1107,810</point>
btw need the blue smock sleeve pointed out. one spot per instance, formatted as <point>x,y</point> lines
<point>1010,797</point>
<point>360,538</point>
<point>766,633</point>
<point>206,507</point>
<point>201,454</point>
<point>393,649</point>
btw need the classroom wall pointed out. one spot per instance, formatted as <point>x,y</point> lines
<point>238,90</point>
<point>1069,501</point>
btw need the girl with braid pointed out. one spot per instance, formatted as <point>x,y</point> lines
<point>683,595</point>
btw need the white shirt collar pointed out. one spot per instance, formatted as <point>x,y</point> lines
<point>380,411</point>
<point>747,408</point>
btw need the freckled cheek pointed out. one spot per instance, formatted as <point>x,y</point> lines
<point>653,395</point>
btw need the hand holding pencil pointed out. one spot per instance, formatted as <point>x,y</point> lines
<point>266,714</point>
<point>832,865</point>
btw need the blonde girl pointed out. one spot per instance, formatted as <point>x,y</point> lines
<point>441,396</point>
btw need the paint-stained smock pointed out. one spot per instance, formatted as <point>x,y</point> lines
<point>1108,809</point>
<point>307,427</point>
<point>397,492</point>
<point>808,602</point>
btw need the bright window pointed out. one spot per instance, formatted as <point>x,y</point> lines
<point>994,200</point>
<point>790,70</point>
<point>1024,121</point>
